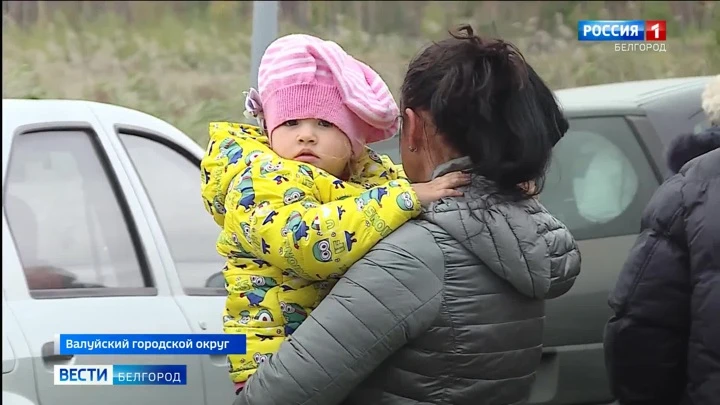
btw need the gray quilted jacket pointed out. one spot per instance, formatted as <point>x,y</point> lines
<point>448,309</point>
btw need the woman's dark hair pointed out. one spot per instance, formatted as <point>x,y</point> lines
<point>489,103</point>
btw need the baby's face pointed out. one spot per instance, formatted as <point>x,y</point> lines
<point>313,141</point>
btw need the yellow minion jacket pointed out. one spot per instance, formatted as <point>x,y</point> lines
<point>289,230</point>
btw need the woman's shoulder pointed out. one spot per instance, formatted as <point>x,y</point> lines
<point>519,241</point>
<point>417,237</point>
<point>476,215</point>
<point>410,254</point>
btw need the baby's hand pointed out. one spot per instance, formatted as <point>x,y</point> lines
<point>529,188</point>
<point>443,186</point>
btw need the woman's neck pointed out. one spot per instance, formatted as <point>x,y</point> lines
<point>452,165</point>
<point>441,156</point>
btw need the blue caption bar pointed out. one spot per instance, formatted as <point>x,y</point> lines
<point>121,374</point>
<point>608,30</point>
<point>149,374</point>
<point>181,344</point>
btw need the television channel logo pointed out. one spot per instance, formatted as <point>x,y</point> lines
<point>83,375</point>
<point>622,30</point>
<point>655,30</point>
<point>121,374</point>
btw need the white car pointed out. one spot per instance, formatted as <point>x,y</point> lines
<point>102,211</point>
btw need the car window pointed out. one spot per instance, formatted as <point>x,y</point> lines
<point>172,182</point>
<point>700,122</point>
<point>66,219</point>
<point>599,180</point>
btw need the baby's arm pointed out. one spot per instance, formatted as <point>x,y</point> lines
<point>315,225</point>
<point>384,169</point>
<point>394,171</point>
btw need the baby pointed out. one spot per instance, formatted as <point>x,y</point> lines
<point>300,198</point>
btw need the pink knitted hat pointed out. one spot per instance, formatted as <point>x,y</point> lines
<point>302,76</point>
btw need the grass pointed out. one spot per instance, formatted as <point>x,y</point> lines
<point>190,73</point>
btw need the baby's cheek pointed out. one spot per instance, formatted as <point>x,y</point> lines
<point>282,150</point>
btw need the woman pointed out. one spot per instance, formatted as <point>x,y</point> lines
<point>663,343</point>
<point>449,308</point>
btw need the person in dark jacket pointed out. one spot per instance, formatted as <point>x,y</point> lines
<point>449,308</point>
<point>662,346</point>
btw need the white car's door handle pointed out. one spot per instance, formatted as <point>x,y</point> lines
<point>49,355</point>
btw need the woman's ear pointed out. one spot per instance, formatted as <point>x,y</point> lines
<point>410,125</point>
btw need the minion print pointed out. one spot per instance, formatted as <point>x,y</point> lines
<point>321,251</point>
<point>374,157</point>
<point>252,156</point>
<point>244,317</point>
<point>260,358</point>
<point>294,315</point>
<point>270,167</point>
<point>263,315</point>
<point>376,194</point>
<point>219,205</point>
<point>231,247</point>
<point>261,285</point>
<point>279,179</point>
<point>265,247</point>
<point>245,229</point>
<point>308,204</point>
<point>293,195</point>
<point>231,150</point>
<point>227,318</point>
<point>297,227</point>
<point>315,225</point>
<point>269,218</point>
<point>247,193</point>
<point>405,202</point>
<point>349,240</point>
<point>305,170</point>
<point>205,176</point>
<point>263,208</point>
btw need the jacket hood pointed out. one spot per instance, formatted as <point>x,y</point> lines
<point>225,159</point>
<point>687,147</point>
<point>520,241</point>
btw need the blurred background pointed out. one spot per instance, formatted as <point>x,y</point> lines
<point>188,62</point>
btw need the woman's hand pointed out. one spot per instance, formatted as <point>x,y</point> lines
<point>443,186</point>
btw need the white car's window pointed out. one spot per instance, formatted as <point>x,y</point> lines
<point>173,185</point>
<point>599,180</point>
<point>66,218</point>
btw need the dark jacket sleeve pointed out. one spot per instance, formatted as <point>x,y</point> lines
<point>388,297</point>
<point>646,339</point>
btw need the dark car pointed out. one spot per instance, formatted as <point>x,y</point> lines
<point>603,173</point>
